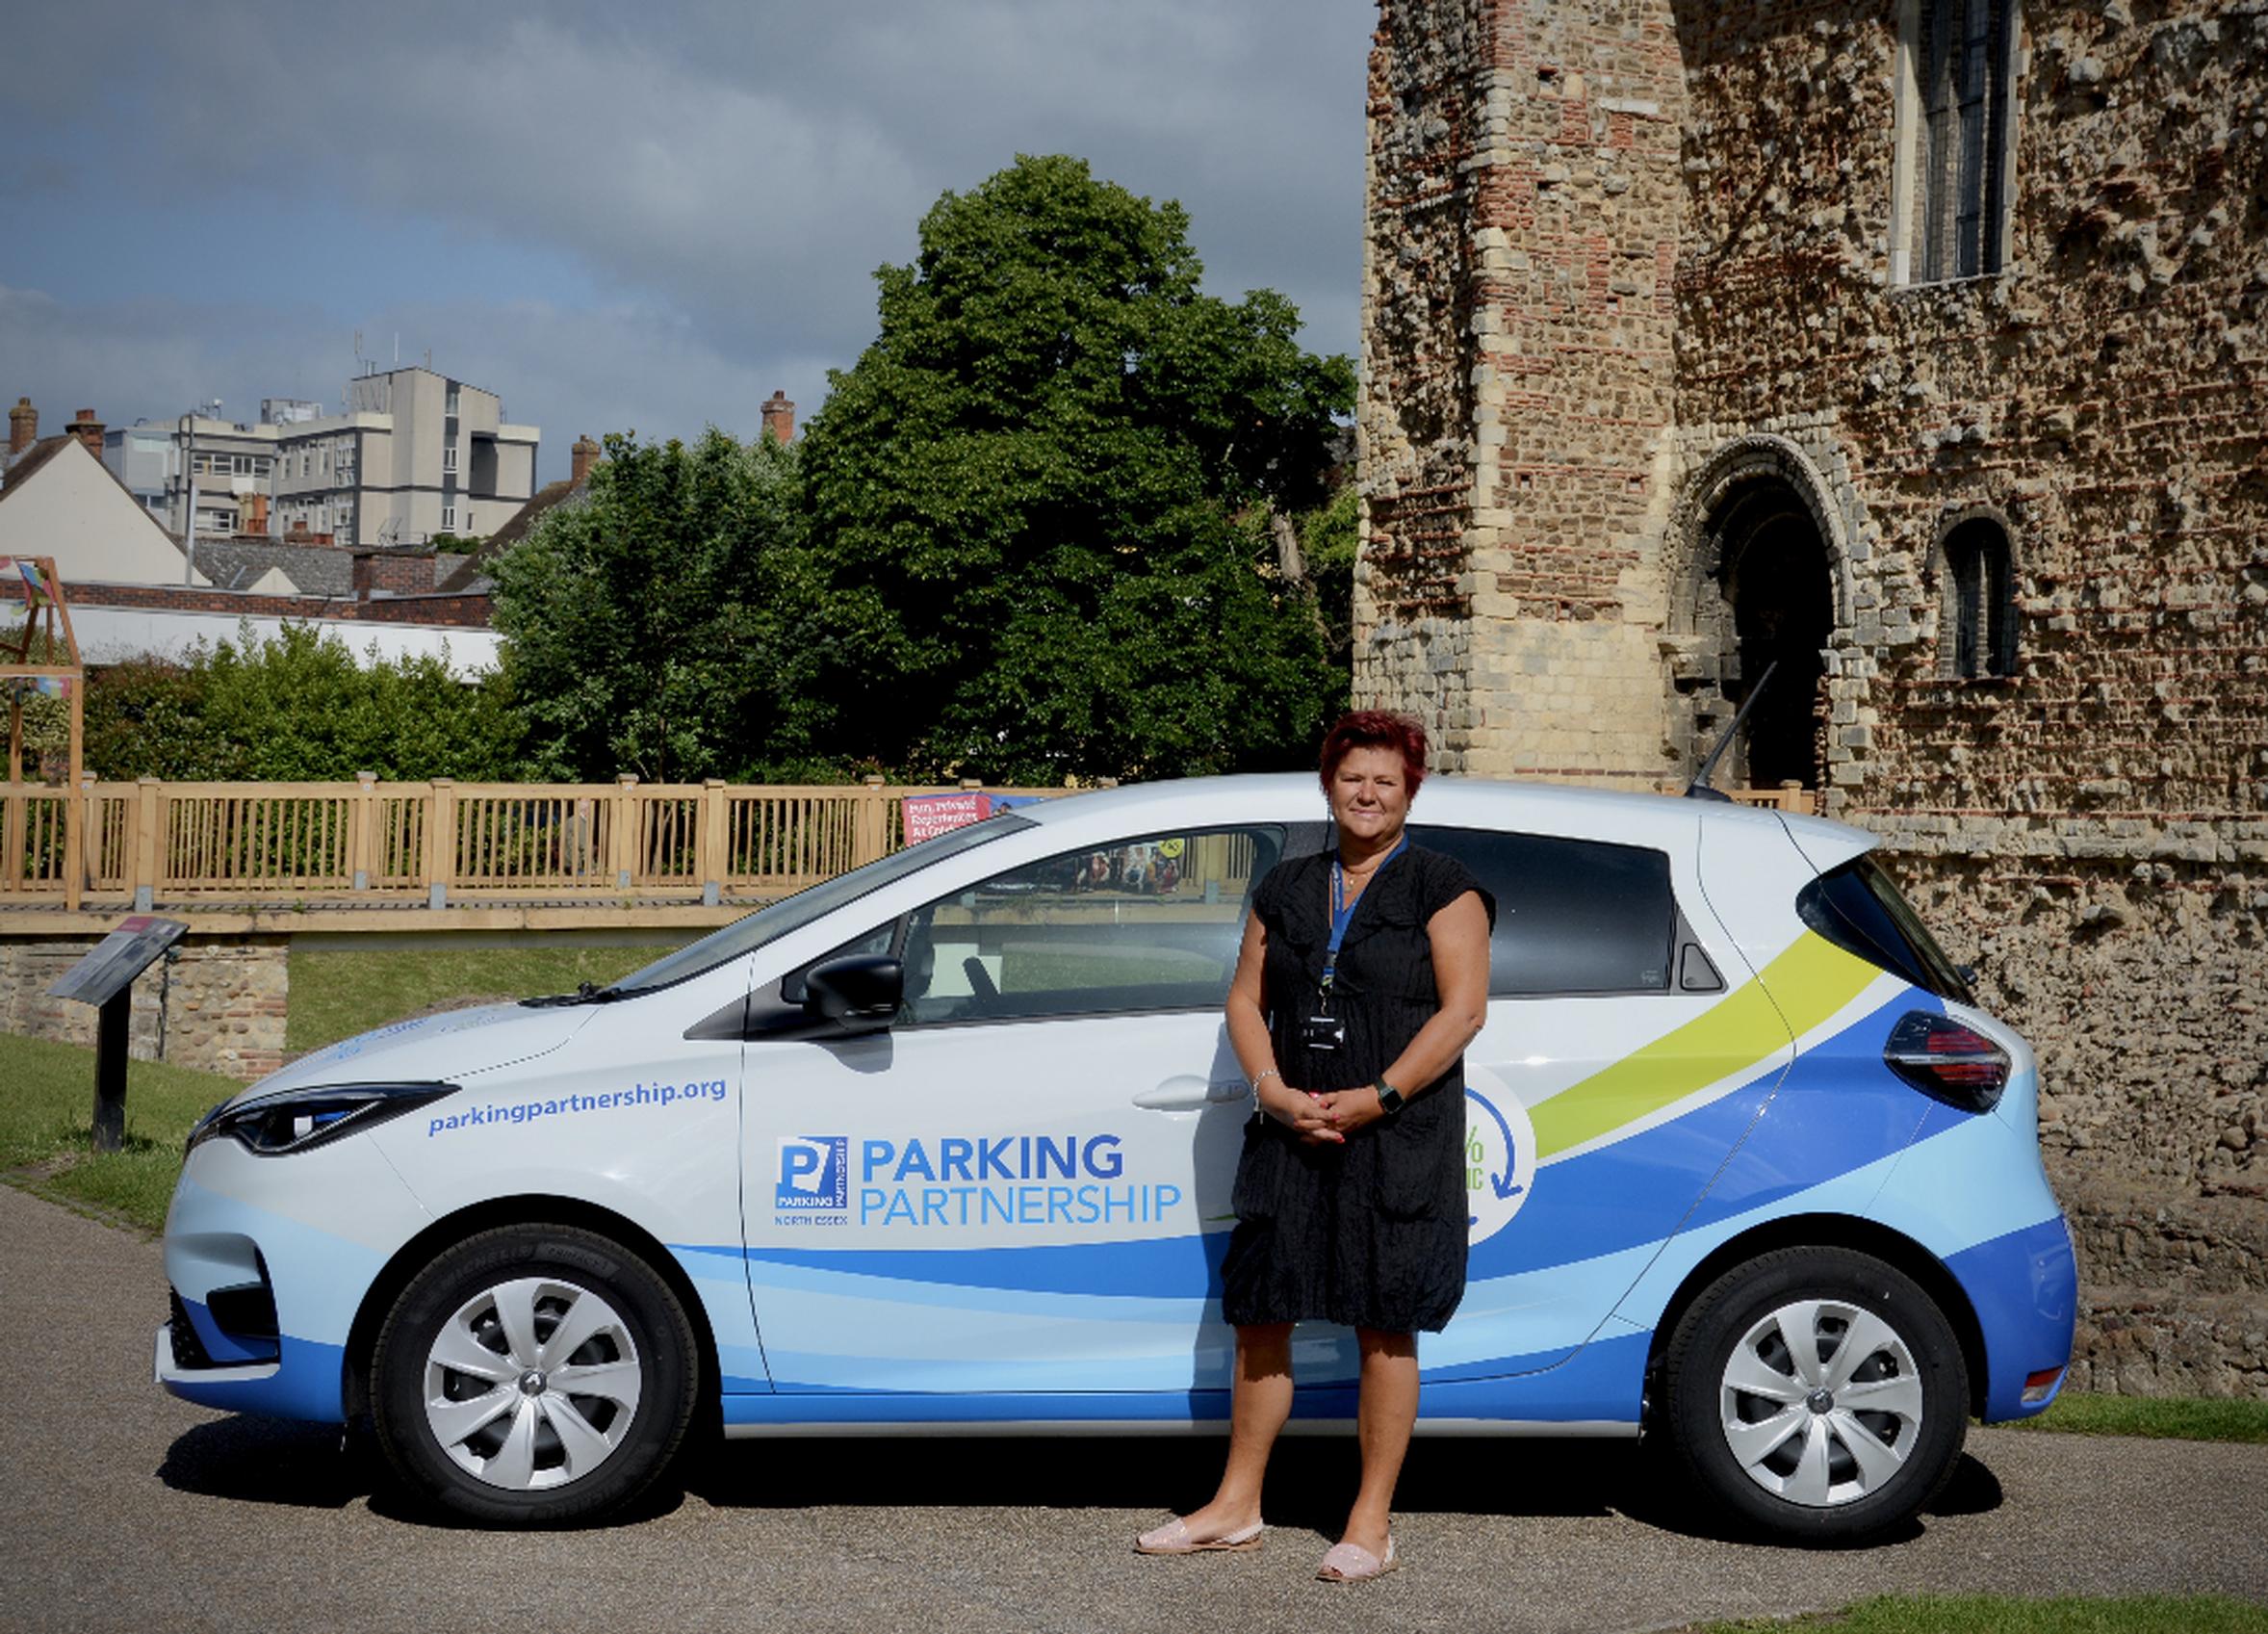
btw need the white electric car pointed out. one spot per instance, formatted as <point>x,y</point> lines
<point>947,1144</point>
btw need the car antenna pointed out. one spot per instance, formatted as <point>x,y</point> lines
<point>1700,789</point>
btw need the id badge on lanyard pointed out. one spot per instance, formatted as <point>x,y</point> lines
<point>1321,1029</point>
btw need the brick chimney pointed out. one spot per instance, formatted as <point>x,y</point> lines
<point>780,417</point>
<point>88,431</point>
<point>587,455</point>
<point>23,426</point>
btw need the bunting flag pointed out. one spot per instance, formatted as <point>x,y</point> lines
<point>34,588</point>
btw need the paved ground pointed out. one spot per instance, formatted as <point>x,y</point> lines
<point>121,1508</point>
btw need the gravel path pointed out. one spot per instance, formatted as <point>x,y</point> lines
<point>122,1508</point>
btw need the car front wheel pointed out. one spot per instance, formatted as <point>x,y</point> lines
<point>533,1374</point>
<point>1817,1393</point>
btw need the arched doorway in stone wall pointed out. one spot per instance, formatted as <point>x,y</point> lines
<point>1758,578</point>
<point>1772,574</point>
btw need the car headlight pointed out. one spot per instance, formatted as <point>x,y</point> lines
<point>294,1120</point>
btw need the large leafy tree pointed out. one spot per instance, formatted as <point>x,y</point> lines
<point>652,626</point>
<point>1039,500</point>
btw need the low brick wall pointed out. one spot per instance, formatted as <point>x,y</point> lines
<point>218,1006</point>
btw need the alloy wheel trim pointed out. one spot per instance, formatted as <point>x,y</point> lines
<point>1813,1379</point>
<point>506,1353</point>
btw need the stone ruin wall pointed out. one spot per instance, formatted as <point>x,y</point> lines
<point>1515,375</point>
<point>2092,832</point>
<point>219,1008</point>
<point>1414,435</point>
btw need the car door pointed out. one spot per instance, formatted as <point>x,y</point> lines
<point>1022,1185</point>
<point>1626,1056</point>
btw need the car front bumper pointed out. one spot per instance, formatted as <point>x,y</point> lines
<point>263,1297</point>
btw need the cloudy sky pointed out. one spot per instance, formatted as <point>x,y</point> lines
<point>615,217</point>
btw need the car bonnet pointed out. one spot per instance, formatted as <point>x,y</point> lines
<point>445,1047</point>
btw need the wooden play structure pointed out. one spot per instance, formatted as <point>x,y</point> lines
<point>44,821</point>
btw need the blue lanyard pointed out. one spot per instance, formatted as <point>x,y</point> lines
<point>1342,911</point>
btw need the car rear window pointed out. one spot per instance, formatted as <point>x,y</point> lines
<point>1572,916</point>
<point>1859,908</point>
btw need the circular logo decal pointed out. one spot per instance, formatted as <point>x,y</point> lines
<point>1500,1154</point>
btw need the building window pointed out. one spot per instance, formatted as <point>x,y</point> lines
<point>448,518</point>
<point>448,459</point>
<point>1978,634</point>
<point>1956,136</point>
<point>451,408</point>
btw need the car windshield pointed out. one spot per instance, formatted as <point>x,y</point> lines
<point>792,913</point>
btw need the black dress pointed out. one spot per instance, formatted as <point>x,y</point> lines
<point>1372,1233</point>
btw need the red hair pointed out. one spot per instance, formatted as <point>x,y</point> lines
<point>1376,729</point>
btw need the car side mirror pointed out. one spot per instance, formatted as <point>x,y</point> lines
<point>858,994</point>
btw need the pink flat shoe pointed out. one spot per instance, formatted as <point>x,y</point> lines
<point>1352,1562</point>
<point>1174,1539</point>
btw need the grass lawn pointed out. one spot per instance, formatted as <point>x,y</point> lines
<point>337,994</point>
<point>46,1128</point>
<point>2008,1613</point>
<point>2001,1614</point>
<point>2178,1419</point>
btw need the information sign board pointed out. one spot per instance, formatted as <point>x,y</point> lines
<point>110,966</point>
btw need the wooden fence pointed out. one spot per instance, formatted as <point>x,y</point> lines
<point>437,843</point>
<point>155,843</point>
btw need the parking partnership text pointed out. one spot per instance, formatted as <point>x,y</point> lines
<point>694,1092</point>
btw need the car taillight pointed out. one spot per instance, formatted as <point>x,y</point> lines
<point>1940,1057</point>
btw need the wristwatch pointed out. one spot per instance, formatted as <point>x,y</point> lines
<point>1390,1099</point>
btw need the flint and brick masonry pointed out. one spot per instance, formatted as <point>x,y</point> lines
<point>1919,345</point>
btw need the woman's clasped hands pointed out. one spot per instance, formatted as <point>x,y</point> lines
<point>1320,1117</point>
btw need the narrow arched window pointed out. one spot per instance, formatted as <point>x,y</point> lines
<point>1956,117</point>
<point>1980,601</point>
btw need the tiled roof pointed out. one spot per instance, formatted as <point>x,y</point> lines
<point>29,462</point>
<point>470,575</point>
<point>314,570</point>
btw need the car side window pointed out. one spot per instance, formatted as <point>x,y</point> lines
<point>1148,924</point>
<point>1572,916</point>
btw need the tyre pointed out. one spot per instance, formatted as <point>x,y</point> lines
<point>534,1375</point>
<point>1816,1393</point>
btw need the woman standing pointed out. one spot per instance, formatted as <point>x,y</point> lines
<point>1363,975</point>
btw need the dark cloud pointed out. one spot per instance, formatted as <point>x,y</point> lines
<point>666,213</point>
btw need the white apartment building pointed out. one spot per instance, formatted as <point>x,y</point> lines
<point>413,453</point>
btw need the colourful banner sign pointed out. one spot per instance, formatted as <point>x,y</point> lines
<point>928,816</point>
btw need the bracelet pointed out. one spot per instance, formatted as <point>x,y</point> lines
<point>1269,1072</point>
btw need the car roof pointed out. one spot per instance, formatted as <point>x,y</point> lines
<point>1629,818</point>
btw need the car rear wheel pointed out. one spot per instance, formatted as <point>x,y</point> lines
<point>1817,1393</point>
<point>533,1374</point>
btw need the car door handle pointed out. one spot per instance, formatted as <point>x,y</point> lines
<point>1188,1092</point>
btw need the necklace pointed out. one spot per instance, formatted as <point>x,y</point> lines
<point>1366,870</point>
